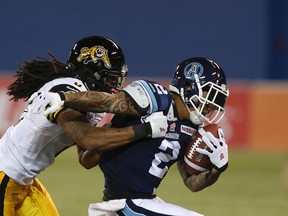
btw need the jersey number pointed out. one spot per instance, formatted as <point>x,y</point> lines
<point>169,151</point>
<point>160,89</point>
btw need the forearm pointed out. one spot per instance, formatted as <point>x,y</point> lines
<point>99,138</point>
<point>98,102</point>
<point>104,139</point>
<point>200,181</point>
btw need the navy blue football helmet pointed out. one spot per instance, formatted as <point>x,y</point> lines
<point>201,82</point>
<point>99,62</point>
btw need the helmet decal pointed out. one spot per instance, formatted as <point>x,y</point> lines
<point>94,54</point>
<point>99,62</point>
<point>193,68</point>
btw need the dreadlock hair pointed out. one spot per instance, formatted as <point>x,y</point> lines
<point>32,75</point>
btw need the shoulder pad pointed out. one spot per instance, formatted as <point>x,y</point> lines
<point>138,94</point>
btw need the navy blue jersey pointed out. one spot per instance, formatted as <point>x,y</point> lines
<point>136,170</point>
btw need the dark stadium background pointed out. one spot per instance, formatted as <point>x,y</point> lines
<point>248,38</point>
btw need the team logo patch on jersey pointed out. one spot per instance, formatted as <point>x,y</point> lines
<point>187,130</point>
<point>94,54</point>
<point>172,127</point>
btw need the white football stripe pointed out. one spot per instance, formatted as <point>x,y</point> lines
<point>194,166</point>
<point>202,131</point>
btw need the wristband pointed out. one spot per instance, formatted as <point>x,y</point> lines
<point>142,130</point>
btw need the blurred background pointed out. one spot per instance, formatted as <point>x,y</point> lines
<point>249,39</point>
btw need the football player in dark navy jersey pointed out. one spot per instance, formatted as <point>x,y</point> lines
<point>197,95</point>
<point>140,166</point>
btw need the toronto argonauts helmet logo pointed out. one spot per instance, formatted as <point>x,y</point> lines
<point>94,54</point>
<point>193,68</point>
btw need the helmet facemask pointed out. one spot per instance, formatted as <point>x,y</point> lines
<point>113,79</point>
<point>211,97</point>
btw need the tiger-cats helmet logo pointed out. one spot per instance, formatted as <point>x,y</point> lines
<point>94,54</point>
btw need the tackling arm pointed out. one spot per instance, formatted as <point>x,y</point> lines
<point>76,125</point>
<point>132,101</point>
<point>117,103</point>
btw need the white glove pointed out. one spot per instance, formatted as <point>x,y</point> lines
<point>37,104</point>
<point>158,123</point>
<point>54,101</point>
<point>219,148</point>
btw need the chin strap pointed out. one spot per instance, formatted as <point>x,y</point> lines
<point>174,89</point>
<point>195,117</point>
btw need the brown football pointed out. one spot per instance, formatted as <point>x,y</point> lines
<point>194,161</point>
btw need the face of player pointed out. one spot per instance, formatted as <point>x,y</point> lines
<point>116,82</point>
<point>208,107</point>
<point>205,111</point>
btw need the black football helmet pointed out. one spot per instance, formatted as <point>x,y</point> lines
<point>99,62</point>
<point>201,83</point>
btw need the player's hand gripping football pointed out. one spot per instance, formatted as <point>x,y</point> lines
<point>54,100</point>
<point>219,150</point>
<point>158,123</point>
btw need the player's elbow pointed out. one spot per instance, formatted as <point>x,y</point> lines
<point>89,159</point>
<point>195,189</point>
<point>86,164</point>
<point>90,144</point>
